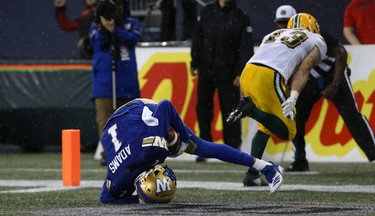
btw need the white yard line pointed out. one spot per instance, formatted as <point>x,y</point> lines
<point>52,185</point>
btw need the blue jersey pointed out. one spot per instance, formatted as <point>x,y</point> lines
<point>133,138</point>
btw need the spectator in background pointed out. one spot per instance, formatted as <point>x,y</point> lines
<point>114,36</point>
<point>283,14</point>
<point>168,20</point>
<point>221,45</point>
<point>189,8</point>
<point>359,22</point>
<point>81,23</point>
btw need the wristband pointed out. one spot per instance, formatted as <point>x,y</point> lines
<point>294,94</point>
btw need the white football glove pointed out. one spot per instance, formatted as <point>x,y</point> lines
<point>288,105</point>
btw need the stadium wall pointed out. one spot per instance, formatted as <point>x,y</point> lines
<point>39,99</point>
<point>30,30</point>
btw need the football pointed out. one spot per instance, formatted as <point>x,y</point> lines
<point>173,141</point>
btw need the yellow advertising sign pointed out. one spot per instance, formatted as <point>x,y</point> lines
<point>165,74</point>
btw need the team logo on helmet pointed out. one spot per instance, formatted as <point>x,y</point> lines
<point>304,21</point>
<point>158,185</point>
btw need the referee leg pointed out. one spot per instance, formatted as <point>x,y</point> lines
<point>357,123</point>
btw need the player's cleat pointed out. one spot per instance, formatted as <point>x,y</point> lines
<point>243,109</point>
<point>251,180</point>
<point>273,176</point>
<point>300,165</point>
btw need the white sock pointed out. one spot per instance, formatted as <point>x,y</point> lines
<point>260,164</point>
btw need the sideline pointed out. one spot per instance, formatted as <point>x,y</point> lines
<point>54,185</point>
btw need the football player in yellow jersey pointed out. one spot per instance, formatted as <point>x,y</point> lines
<point>284,58</point>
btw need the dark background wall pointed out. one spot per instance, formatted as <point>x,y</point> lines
<point>28,29</point>
<point>39,100</point>
<point>329,14</point>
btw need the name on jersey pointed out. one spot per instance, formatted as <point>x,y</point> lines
<point>119,158</point>
<point>155,141</point>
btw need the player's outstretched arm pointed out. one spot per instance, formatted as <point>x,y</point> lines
<point>300,77</point>
<point>299,80</point>
<point>169,117</point>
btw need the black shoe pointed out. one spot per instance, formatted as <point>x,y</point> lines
<point>200,159</point>
<point>301,165</point>
<point>251,180</point>
<point>243,109</point>
<point>103,162</point>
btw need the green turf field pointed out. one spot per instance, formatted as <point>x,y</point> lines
<point>30,184</point>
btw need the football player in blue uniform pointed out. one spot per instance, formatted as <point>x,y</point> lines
<point>135,140</point>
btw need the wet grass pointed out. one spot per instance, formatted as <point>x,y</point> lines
<point>47,166</point>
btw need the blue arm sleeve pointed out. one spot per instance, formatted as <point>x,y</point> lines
<point>222,152</point>
<point>169,117</point>
<point>129,37</point>
<point>97,39</point>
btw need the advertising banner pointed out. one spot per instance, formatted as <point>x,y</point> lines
<point>164,74</point>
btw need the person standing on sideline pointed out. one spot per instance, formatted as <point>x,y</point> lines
<point>81,24</point>
<point>359,22</point>
<point>222,42</point>
<point>283,14</point>
<point>285,57</point>
<point>114,36</point>
<point>170,9</point>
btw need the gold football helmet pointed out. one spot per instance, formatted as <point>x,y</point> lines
<point>304,21</point>
<point>157,185</point>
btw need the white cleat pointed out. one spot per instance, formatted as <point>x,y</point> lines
<point>273,176</point>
